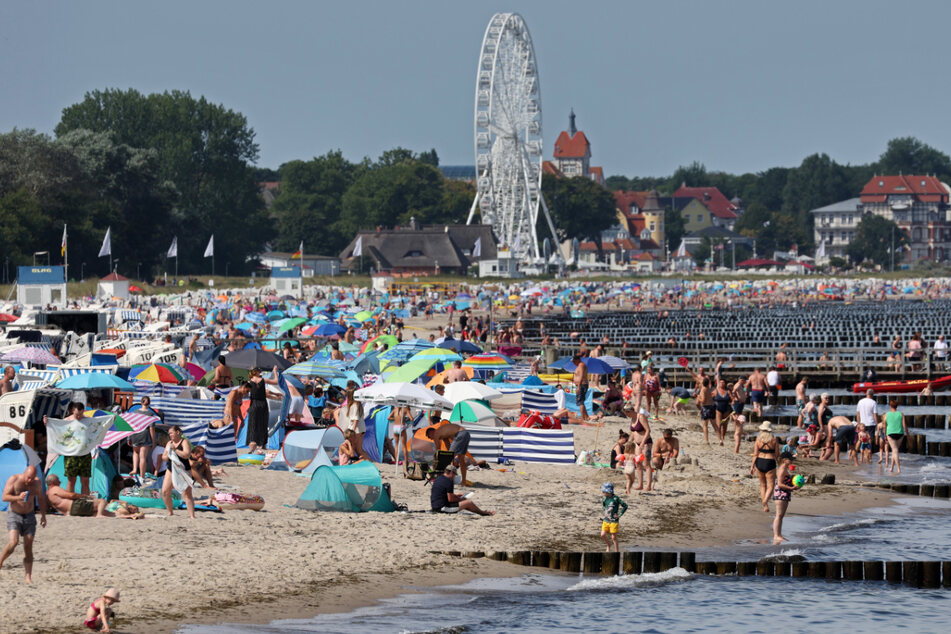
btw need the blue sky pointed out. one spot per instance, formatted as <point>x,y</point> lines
<point>738,85</point>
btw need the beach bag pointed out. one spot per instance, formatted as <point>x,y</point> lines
<point>417,471</point>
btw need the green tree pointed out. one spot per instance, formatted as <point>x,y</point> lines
<point>673,227</point>
<point>18,210</point>
<point>206,150</point>
<point>693,175</point>
<point>457,197</point>
<point>874,238</point>
<point>908,155</point>
<point>391,194</point>
<point>310,203</point>
<point>580,207</point>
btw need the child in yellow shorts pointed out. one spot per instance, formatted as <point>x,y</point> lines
<point>614,507</point>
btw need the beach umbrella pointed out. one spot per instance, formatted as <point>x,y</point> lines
<point>439,354</point>
<point>401,394</point>
<point>440,377</point>
<point>316,367</point>
<point>258,318</point>
<point>118,422</point>
<point>406,349</point>
<point>616,363</point>
<point>470,390</point>
<point>256,358</point>
<point>365,362</point>
<point>458,345</point>
<point>329,330</point>
<point>363,315</point>
<point>472,412</point>
<point>95,381</point>
<point>195,370</point>
<point>290,324</point>
<point>389,340</point>
<point>36,356</point>
<point>595,365</point>
<point>274,315</point>
<point>246,326</point>
<point>134,289</point>
<point>157,373</point>
<point>7,317</point>
<point>411,371</point>
<point>488,361</point>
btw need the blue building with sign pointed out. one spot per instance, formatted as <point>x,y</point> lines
<point>286,280</point>
<point>41,285</point>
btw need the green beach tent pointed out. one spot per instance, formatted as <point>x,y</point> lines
<point>352,488</point>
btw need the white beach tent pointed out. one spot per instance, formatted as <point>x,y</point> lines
<point>306,449</point>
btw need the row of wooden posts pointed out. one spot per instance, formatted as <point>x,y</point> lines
<point>918,574</point>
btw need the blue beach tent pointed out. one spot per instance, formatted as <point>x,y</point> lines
<point>352,488</point>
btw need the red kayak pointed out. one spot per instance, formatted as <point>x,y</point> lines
<point>890,387</point>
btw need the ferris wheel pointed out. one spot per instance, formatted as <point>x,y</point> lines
<point>508,138</point>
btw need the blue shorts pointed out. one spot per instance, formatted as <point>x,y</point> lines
<point>758,396</point>
<point>582,393</point>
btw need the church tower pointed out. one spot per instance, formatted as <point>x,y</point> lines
<point>653,214</point>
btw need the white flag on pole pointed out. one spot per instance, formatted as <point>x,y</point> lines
<point>518,242</point>
<point>173,249</point>
<point>477,248</point>
<point>681,250</point>
<point>62,247</point>
<point>821,251</point>
<point>106,248</point>
<point>358,248</point>
<point>210,249</point>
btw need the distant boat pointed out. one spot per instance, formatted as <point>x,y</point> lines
<point>894,387</point>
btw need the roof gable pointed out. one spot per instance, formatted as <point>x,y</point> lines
<point>712,199</point>
<point>924,188</point>
<point>574,146</point>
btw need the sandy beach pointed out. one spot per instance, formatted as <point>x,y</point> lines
<point>248,566</point>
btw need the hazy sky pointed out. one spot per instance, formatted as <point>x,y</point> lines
<point>737,85</point>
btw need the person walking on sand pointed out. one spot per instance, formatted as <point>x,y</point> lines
<point>613,508</point>
<point>22,492</point>
<point>765,449</point>
<point>782,494</point>
<point>757,383</point>
<point>580,379</point>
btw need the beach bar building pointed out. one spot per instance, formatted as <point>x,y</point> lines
<point>41,285</point>
<point>113,285</point>
<point>286,280</point>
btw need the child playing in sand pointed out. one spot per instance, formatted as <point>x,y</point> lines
<point>865,444</point>
<point>100,611</point>
<point>614,507</point>
<point>782,494</point>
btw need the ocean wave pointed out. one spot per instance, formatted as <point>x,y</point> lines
<point>646,580</point>
<point>844,526</point>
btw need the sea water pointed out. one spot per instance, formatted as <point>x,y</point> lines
<point>678,601</point>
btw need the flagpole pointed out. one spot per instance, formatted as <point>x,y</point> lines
<point>66,254</point>
<point>302,269</point>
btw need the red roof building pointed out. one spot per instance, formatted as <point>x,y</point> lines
<point>925,189</point>
<point>114,277</point>
<point>712,199</point>
<point>572,155</point>
<point>919,205</point>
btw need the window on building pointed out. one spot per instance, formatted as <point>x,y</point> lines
<point>652,226</point>
<point>699,217</point>
<point>413,254</point>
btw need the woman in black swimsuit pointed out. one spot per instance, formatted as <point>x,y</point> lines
<point>643,444</point>
<point>182,448</point>
<point>765,450</point>
<point>722,399</point>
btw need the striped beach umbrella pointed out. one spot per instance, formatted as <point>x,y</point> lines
<point>406,349</point>
<point>323,368</point>
<point>389,340</point>
<point>488,361</point>
<point>158,373</point>
<point>438,354</point>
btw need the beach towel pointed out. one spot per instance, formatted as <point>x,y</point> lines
<point>77,437</point>
<point>181,480</point>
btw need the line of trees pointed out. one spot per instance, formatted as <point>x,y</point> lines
<point>168,164</point>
